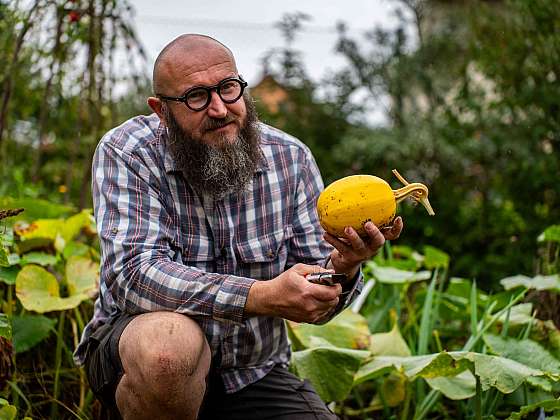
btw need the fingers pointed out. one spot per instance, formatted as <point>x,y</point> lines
<point>338,243</point>
<point>304,269</point>
<point>325,293</point>
<point>395,231</point>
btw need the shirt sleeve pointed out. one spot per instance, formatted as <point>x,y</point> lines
<point>307,244</point>
<point>136,235</point>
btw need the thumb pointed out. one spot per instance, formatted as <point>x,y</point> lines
<point>304,269</point>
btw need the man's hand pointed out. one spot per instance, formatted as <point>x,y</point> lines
<point>292,296</point>
<point>351,251</point>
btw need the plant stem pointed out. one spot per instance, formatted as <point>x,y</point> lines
<point>478,400</point>
<point>10,298</point>
<point>58,361</point>
<point>406,405</point>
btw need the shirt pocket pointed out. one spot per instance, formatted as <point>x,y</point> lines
<point>263,257</point>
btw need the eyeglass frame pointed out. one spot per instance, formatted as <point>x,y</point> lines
<point>209,89</point>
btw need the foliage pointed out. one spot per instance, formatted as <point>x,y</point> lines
<point>473,348</point>
<point>53,268</point>
<point>59,91</point>
<point>474,116</point>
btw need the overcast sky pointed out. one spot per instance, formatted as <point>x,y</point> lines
<point>247,27</point>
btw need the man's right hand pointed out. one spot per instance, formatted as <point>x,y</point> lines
<point>292,296</point>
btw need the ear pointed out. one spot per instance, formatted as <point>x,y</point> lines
<point>157,106</point>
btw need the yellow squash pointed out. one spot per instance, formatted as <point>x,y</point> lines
<point>357,199</point>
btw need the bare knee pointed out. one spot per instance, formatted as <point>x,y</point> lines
<point>164,348</point>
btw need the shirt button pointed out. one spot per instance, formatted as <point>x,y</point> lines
<point>114,230</point>
<point>270,254</point>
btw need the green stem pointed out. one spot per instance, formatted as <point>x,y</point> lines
<point>427,404</point>
<point>58,361</point>
<point>79,320</point>
<point>473,340</point>
<point>406,405</point>
<point>478,400</point>
<point>10,298</point>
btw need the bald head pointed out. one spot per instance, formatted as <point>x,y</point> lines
<point>185,53</point>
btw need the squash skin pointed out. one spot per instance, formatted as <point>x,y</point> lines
<point>355,200</point>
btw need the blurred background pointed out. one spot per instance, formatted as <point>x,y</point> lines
<point>460,95</point>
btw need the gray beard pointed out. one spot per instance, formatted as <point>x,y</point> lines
<point>222,169</point>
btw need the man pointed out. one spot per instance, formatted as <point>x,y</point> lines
<point>208,229</point>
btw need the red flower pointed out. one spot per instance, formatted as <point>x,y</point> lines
<point>74,16</point>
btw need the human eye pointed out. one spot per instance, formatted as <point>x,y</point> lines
<point>197,96</point>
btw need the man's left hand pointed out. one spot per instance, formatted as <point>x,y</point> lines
<point>352,250</point>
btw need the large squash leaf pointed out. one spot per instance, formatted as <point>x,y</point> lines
<point>8,274</point>
<point>528,352</point>
<point>538,282</point>
<point>30,330</point>
<point>59,231</point>
<point>82,276</point>
<point>38,291</point>
<point>330,370</point>
<point>493,371</point>
<point>547,405</point>
<point>393,275</point>
<point>39,258</point>
<point>390,343</point>
<point>348,330</point>
<point>458,387</point>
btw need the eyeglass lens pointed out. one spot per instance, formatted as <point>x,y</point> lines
<point>229,91</point>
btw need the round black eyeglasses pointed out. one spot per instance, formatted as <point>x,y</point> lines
<point>198,98</point>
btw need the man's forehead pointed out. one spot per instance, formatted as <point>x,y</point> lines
<point>192,60</point>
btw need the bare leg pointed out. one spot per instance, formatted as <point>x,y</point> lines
<point>166,358</point>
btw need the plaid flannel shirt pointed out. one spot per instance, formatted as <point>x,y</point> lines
<point>164,248</point>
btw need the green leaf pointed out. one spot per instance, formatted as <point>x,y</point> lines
<point>57,231</point>
<point>41,228</point>
<point>82,276</point>
<point>330,370</point>
<point>5,327</point>
<point>435,258</point>
<point>538,282</point>
<point>30,330</point>
<point>389,344</point>
<point>38,291</point>
<point>547,405</point>
<point>347,330</point>
<point>8,412</point>
<point>35,208</point>
<point>395,276</point>
<point>519,314</point>
<point>493,371</point>
<point>74,248</point>
<point>39,258</point>
<point>13,259</point>
<point>73,225</point>
<point>550,234</point>
<point>458,387</point>
<point>528,352</point>
<point>4,257</point>
<point>393,392</point>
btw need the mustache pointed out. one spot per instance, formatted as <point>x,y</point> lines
<point>214,123</point>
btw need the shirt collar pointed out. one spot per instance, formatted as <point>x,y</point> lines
<point>170,165</point>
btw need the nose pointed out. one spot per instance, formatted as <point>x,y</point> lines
<point>217,108</point>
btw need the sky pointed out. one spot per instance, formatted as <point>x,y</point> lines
<point>247,28</point>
